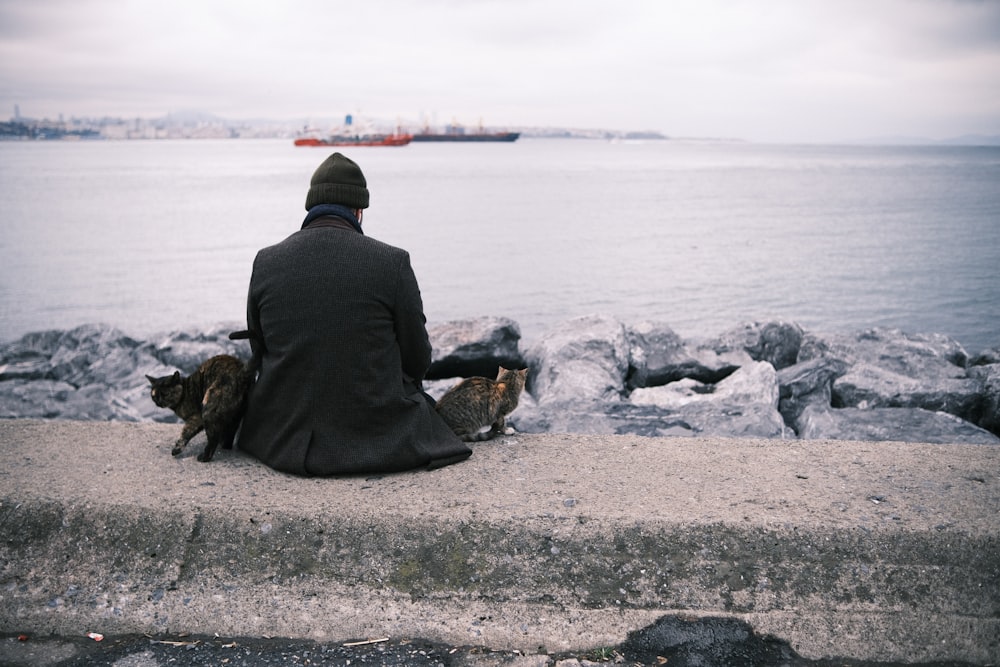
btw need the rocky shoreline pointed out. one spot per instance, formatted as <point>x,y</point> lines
<point>593,374</point>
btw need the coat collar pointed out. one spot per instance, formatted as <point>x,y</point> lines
<point>330,221</point>
<point>336,210</point>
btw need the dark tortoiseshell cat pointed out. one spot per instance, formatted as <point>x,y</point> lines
<point>213,399</point>
<point>478,402</point>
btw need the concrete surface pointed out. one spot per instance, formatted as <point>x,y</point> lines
<point>872,551</point>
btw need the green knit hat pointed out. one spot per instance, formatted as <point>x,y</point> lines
<point>338,181</point>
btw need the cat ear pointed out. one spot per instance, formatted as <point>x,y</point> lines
<point>177,375</point>
<point>151,379</point>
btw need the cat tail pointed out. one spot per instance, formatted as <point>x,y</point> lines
<point>244,335</point>
<point>257,344</point>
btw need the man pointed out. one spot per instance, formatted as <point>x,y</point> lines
<point>339,328</point>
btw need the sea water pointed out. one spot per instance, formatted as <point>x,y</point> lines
<point>152,236</point>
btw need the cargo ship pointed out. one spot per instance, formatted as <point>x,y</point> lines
<point>347,135</point>
<point>456,132</point>
<point>356,140</point>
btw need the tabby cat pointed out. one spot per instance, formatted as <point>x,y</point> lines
<point>213,399</point>
<point>478,402</point>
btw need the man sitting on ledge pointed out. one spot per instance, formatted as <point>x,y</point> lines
<point>341,335</point>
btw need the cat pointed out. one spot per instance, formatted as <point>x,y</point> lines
<point>213,399</point>
<point>477,402</point>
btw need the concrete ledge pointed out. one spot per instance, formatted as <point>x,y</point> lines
<point>873,551</point>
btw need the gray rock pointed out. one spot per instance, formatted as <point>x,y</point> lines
<point>187,350</point>
<point>54,399</point>
<point>989,376</point>
<point>579,361</point>
<point>754,383</point>
<point>436,388</point>
<point>32,398</point>
<point>91,372</point>
<point>807,383</point>
<point>890,368</point>
<point>777,343</point>
<point>744,404</point>
<point>986,357</point>
<point>91,354</point>
<point>599,417</point>
<point>465,348</point>
<point>29,357</point>
<point>577,382</point>
<point>658,356</point>
<point>890,424</point>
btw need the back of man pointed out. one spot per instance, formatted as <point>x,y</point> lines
<point>343,347</point>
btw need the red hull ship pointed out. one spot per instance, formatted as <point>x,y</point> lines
<point>347,135</point>
<point>359,140</point>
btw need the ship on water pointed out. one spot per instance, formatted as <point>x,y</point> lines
<point>349,135</point>
<point>457,132</point>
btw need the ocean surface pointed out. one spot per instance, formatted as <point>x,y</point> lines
<point>153,236</point>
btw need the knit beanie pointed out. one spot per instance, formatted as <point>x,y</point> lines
<point>338,181</point>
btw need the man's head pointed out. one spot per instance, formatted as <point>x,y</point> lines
<point>338,181</point>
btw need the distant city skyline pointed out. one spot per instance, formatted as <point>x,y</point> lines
<point>778,70</point>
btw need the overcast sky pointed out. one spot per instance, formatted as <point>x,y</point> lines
<point>764,70</point>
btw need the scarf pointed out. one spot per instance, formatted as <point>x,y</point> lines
<point>335,210</point>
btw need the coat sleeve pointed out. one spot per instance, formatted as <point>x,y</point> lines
<point>253,316</point>
<point>410,323</point>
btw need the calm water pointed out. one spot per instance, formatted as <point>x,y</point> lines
<point>154,236</point>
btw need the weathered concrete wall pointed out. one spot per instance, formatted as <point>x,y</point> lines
<point>875,551</point>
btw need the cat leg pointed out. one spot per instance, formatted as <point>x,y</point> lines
<point>498,427</point>
<point>213,443</point>
<point>234,425</point>
<point>229,435</point>
<point>192,427</point>
<point>482,436</point>
<point>217,430</point>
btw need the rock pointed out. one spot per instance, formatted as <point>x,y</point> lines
<point>579,361</point>
<point>807,383</point>
<point>577,379</point>
<point>890,368</point>
<point>895,424</point>
<point>92,354</point>
<point>33,398</point>
<point>894,342</point>
<point>91,372</point>
<point>986,357</point>
<point>754,383</point>
<point>989,376</point>
<point>777,343</point>
<point>678,640</point>
<point>186,351</point>
<point>54,399</point>
<point>436,388</point>
<point>599,417</point>
<point>467,348</point>
<point>28,358</point>
<point>744,404</point>
<point>658,356</point>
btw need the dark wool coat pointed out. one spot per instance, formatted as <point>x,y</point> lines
<point>344,348</point>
